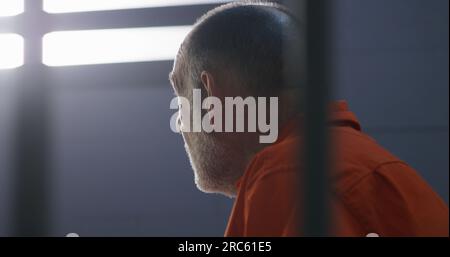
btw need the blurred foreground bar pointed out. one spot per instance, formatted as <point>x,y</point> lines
<point>32,177</point>
<point>315,192</point>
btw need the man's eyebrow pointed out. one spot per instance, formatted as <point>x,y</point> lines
<point>171,77</point>
<point>172,81</point>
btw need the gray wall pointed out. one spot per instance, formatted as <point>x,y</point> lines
<point>119,170</point>
<point>392,67</point>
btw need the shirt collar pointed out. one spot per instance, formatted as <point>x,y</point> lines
<point>339,115</point>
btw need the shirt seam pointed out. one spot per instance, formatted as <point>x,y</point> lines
<point>371,172</point>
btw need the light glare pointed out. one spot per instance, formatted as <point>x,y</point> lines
<point>82,47</point>
<point>11,51</point>
<point>11,7</point>
<point>65,6</point>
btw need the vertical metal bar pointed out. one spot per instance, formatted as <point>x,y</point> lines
<point>316,219</point>
<point>31,203</point>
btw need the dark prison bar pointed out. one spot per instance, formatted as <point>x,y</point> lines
<point>315,180</point>
<point>32,172</point>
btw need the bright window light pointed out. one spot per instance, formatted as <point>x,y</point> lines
<point>11,51</point>
<point>11,7</point>
<point>65,6</point>
<point>62,48</point>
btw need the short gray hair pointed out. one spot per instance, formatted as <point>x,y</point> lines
<point>245,39</point>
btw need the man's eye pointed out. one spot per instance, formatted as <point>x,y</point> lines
<point>179,125</point>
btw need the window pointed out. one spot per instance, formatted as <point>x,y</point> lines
<point>65,6</point>
<point>101,46</point>
<point>11,51</point>
<point>11,7</point>
<point>64,48</point>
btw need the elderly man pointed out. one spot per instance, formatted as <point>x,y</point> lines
<point>239,50</point>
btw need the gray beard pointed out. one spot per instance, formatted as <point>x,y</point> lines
<point>216,166</point>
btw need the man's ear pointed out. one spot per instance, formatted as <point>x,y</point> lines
<point>208,83</point>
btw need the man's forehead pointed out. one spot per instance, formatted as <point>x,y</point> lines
<point>175,80</point>
<point>176,74</point>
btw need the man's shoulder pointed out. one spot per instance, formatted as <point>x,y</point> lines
<point>383,193</point>
<point>354,156</point>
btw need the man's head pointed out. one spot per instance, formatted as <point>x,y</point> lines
<point>238,49</point>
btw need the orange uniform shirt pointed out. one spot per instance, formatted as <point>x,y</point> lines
<point>372,190</point>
